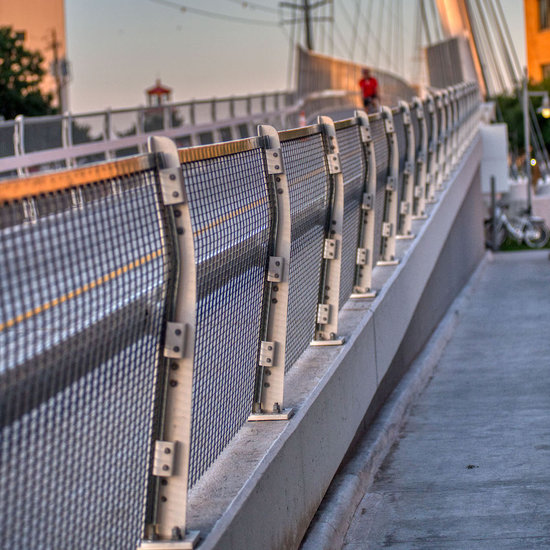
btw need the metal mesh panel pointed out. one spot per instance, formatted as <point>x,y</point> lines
<point>354,171</point>
<point>230,214</point>
<point>399,127</point>
<point>416,131</point>
<point>382,156</point>
<point>304,162</point>
<point>82,308</point>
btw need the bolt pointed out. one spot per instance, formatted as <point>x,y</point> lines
<point>269,348</point>
<point>178,332</point>
<point>267,372</point>
<point>177,213</point>
<point>174,366</point>
<point>274,301</point>
<point>172,177</point>
<point>280,191</point>
<point>167,451</point>
<point>327,288</point>
<point>275,288</point>
<point>176,349</point>
<point>164,482</point>
<point>163,499</point>
<point>333,222</point>
<point>277,179</point>
<point>277,167</point>
<point>175,194</point>
<point>266,384</point>
<point>268,360</point>
<point>277,263</point>
<point>173,383</point>
<point>275,155</point>
<point>180,230</point>
<point>166,467</point>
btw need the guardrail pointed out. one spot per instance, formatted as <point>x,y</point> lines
<point>153,305</point>
<point>35,144</point>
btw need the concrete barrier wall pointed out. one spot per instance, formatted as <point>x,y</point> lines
<point>270,480</point>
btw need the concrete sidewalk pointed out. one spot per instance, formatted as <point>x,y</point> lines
<point>471,469</point>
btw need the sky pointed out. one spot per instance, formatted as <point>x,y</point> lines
<point>118,48</point>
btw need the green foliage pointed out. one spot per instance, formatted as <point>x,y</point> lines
<point>21,73</point>
<point>510,111</point>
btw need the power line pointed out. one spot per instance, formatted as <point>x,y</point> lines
<point>253,5</point>
<point>214,15</point>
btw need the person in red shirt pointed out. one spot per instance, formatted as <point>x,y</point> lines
<point>369,89</point>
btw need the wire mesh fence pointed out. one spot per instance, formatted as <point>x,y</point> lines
<point>231,218</point>
<point>354,168</point>
<point>84,287</point>
<point>87,281</point>
<point>305,164</point>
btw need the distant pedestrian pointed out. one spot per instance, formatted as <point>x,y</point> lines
<point>369,89</point>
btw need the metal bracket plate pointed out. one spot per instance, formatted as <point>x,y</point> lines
<point>163,462</point>
<point>333,161</point>
<point>408,169</point>
<point>406,118</point>
<point>329,251</point>
<point>175,340</point>
<point>421,158</point>
<point>388,124</point>
<point>362,256</point>
<point>275,271</point>
<point>274,160</point>
<point>323,314</point>
<point>368,200</point>
<point>391,183</point>
<point>189,542</point>
<point>418,192</point>
<point>366,136</point>
<point>404,208</point>
<point>267,354</point>
<point>171,184</point>
<point>387,229</point>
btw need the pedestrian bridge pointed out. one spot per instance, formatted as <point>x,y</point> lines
<point>193,338</point>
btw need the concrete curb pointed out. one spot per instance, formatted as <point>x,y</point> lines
<point>331,523</point>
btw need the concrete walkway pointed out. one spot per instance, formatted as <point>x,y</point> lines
<point>471,469</point>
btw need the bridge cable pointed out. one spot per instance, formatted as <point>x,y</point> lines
<point>484,72</point>
<point>517,64</point>
<point>492,51</point>
<point>424,16</point>
<point>253,5</point>
<point>366,44</point>
<point>505,50</point>
<point>355,25</point>
<point>371,33</point>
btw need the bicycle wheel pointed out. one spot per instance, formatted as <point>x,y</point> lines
<point>536,235</point>
<point>500,235</point>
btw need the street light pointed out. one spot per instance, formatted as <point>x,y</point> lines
<point>545,112</point>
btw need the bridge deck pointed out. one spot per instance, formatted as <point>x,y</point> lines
<point>471,467</point>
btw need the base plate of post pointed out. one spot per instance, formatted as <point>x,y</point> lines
<point>420,217</point>
<point>285,414</point>
<point>405,237</point>
<point>363,295</point>
<point>332,342</point>
<point>387,262</point>
<point>188,543</point>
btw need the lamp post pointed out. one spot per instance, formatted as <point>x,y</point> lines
<point>545,111</point>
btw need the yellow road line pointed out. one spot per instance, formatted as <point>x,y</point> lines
<point>77,292</point>
<point>229,216</point>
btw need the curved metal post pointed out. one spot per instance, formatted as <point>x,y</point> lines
<point>448,151</point>
<point>365,251</point>
<point>407,197</point>
<point>454,132</point>
<point>171,458</point>
<point>270,380</point>
<point>431,177</point>
<point>326,329</point>
<point>419,205</point>
<point>389,225</point>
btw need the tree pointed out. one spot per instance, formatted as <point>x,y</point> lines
<point>21,73</point>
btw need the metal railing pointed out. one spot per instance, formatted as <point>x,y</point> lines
<point>152,305</point>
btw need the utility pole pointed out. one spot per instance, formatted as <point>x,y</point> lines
<point>54,46</point>
<point>307,9</point>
